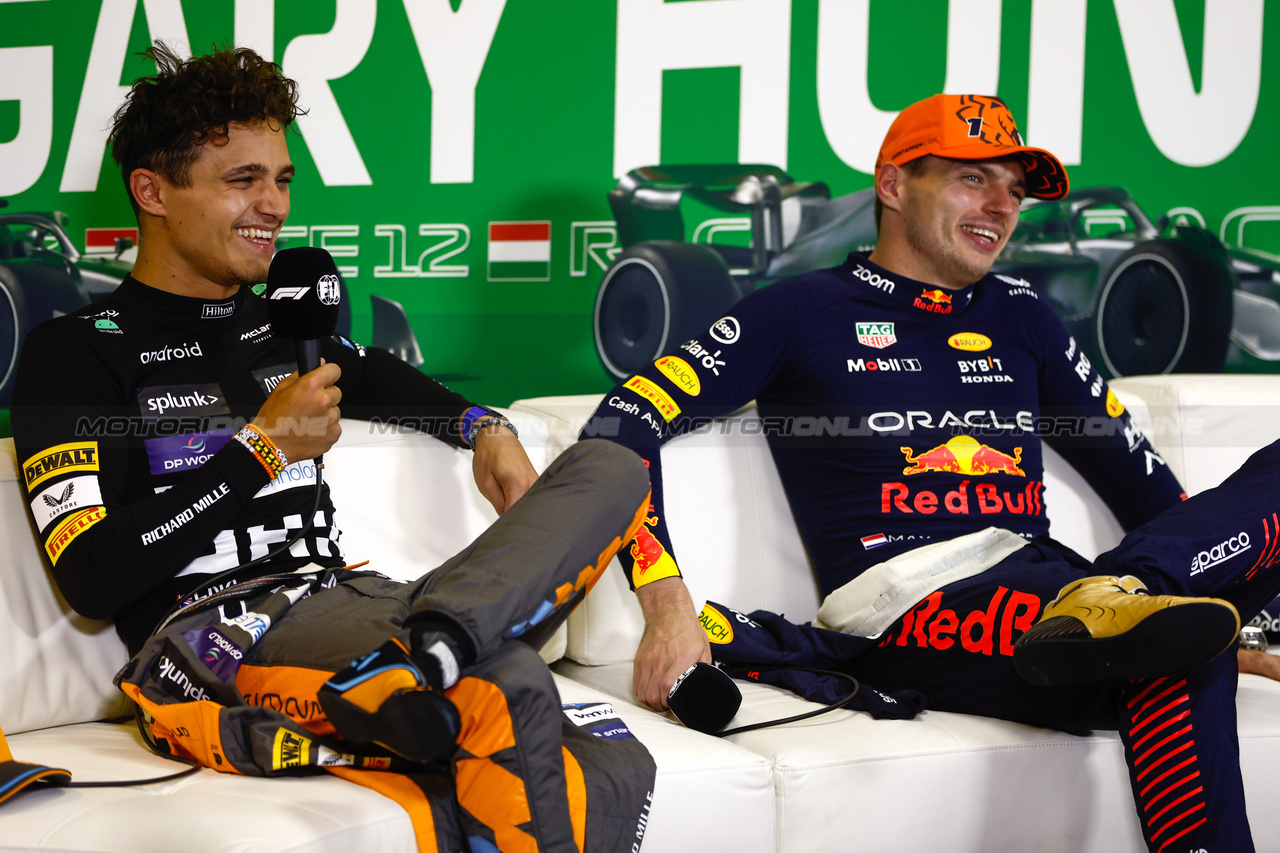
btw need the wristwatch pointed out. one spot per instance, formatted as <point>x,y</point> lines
<point>1253,638</point>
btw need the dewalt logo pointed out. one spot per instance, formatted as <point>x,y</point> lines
<point>60,459</point>
<point>291,750</point>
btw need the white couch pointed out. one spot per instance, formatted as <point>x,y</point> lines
<point>939,782</point>
<point>409,505</point>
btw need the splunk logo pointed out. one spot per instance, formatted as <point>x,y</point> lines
<point>178,683</point>
<point>183,350</point>
<point>204,399</point>
<point>1220,553</point>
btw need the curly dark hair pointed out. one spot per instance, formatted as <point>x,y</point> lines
<point>166,118</point>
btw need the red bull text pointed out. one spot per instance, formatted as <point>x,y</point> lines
<point>987,499</point>
<point>934,301</point>
<point>988,631</point>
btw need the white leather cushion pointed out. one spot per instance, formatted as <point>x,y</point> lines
<point>55,666</point>
<point>1206,426</point>
<point>708,794</point>
<point>207,811</point>
<point>946,781</point>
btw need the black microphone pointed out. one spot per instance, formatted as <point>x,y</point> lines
<point>704,698</point>
<point>303,294</point>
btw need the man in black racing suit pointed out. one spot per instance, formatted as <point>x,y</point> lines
<point>165,437</point>
<point>904,395</point>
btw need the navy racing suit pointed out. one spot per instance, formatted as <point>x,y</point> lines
<point>898,414</point>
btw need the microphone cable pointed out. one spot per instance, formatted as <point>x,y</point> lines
<point>839,703</point>
<point>200,604</point>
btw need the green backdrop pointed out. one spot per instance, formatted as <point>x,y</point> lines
<point>433,119</point>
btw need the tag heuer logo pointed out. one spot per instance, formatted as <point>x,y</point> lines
<point>878,335</point>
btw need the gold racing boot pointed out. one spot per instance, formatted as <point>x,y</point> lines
<point>1104,628</point>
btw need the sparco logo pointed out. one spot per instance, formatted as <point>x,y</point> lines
<point>327,289</point>
<point>874,279</point>
<point>172,353</point>
<point>1220,553</point>
<point>221,309</point>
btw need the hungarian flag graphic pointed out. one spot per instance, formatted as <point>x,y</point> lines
<point>519,251</point>
<point>102,241</point>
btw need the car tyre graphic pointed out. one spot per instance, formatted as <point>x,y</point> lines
<point>655,296</point>
<point>12,307</point>
<point>1163,309</point>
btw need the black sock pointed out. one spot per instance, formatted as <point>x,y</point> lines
<point>440,648</point>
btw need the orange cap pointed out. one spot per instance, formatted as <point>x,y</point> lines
<point>970,127</point>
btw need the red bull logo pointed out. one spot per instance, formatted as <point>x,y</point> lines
<point>646,550</point>
<point>964,455</point>
<point>934,301</point>
<point>651,560</point>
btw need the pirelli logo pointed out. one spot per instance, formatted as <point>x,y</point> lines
<point>66,532</point>
<point>78,457</point>
<point>661,399</point>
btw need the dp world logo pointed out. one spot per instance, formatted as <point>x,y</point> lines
<point>327,289</point>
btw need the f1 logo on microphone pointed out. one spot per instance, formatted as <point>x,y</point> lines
<point>294,293</point>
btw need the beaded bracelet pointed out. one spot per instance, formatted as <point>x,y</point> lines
<point>263,449</point>
<point>491,418</point>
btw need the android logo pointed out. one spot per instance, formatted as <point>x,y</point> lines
<point>105,324</point>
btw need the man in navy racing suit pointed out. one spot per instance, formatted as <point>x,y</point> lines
<point>904,395</point>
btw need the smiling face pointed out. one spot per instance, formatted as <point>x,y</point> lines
<point>217,232</point>
<point>947,220</point>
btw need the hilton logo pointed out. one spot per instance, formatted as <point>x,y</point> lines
<point>217,310</point>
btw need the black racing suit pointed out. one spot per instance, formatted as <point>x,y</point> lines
<point>131,405</point>
<point>124,418</point>
<point>899,413</point>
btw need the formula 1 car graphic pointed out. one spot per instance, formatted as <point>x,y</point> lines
<point>1140,297</point>
<point>43,275</point>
